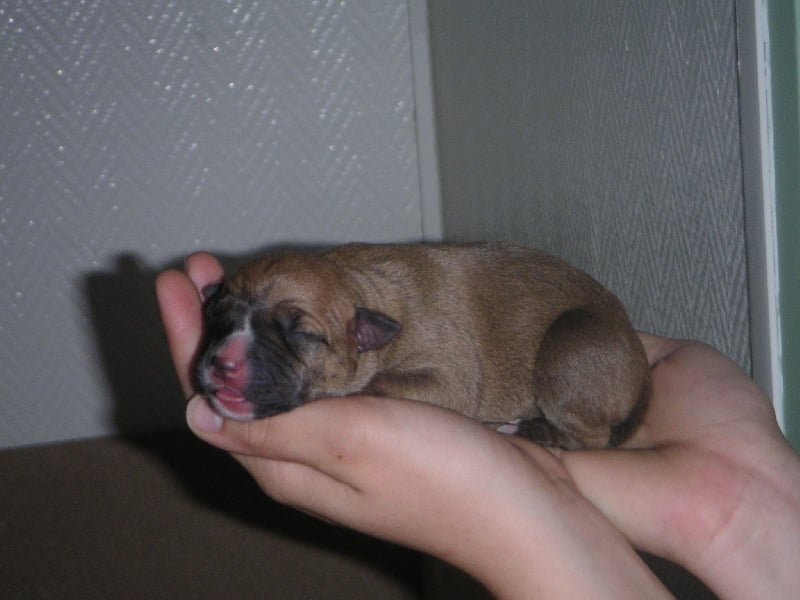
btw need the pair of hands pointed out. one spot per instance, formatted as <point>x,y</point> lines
<point>708,481</point>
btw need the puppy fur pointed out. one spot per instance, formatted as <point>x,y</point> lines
<point>500,332</point>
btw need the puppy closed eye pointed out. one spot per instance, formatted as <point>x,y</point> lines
<point>294,332</point>
<point>310,336</point>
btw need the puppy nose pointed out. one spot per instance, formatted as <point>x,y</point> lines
<point>229,365</point>
<point>228,374</point>
<point>226,365</point>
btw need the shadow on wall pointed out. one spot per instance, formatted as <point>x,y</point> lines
<point>132,348</point>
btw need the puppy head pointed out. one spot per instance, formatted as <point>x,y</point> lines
<point>281,332</point>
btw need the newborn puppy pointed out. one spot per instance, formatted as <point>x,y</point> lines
<point>505,334</point>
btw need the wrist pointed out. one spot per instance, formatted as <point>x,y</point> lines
<point>543,539</point>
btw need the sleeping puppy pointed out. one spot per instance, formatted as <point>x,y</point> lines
<point>508,335</point>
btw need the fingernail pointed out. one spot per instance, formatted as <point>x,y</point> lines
<point>200,417</point>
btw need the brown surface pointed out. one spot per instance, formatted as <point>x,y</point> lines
<point>165,516</point>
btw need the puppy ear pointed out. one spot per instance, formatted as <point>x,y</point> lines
<point>372,330</point>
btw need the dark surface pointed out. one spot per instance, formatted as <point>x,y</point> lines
<point>164,516</point>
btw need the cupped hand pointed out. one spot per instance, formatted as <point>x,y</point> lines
<point>708,481</point>
<point>504,510</point>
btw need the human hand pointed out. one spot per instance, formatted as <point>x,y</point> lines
<point>708,481</point>
<point>418,475</point>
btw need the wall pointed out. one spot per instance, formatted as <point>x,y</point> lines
<point>608,133</point>
<point>135,132</point>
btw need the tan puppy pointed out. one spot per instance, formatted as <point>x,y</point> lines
<point>499,332</point>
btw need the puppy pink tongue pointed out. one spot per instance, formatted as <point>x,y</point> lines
<point>229,369</point>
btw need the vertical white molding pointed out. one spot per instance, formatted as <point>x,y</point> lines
<point>760,201</point>
<point>769,202</point>
<point>425,121</point>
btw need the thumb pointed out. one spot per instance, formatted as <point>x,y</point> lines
<point>235,437</point>
<point>201,419</point>
<point>260,438</point>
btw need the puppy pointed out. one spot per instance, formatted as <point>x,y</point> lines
<point>508,335</point>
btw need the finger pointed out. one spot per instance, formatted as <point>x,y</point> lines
<point>657,347</point>
<point>365,442</point>
<point>299,485</point>
<point>203,421</point>
<point>631,488</point>
<point>304,488</point>
<point>203,269</point>
<point>180,309</point>
<point>695,388</point>
<point>547,459</point>
<point>248,442</point>
<point>313,434</point>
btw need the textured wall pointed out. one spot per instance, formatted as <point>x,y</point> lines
<point>135,132</point>
<point>608,133</point>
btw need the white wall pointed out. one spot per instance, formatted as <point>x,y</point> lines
<point>609,134</point>
<point>136,132</point>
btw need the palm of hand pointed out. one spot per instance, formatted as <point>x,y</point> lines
<point>698,480</point>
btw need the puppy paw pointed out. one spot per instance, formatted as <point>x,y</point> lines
<point>510,428</point>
